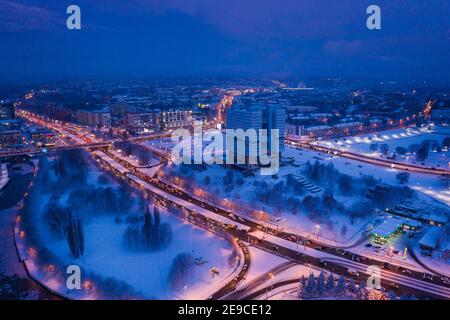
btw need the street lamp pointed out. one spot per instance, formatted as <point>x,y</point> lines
<point>185,291</point>
<point>277,220</point>
<point>318,230</point>
<point>272,276</point>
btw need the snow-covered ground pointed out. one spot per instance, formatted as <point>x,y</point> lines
<point>146,272</point>
<point>398,138</point>
<point>209,186</point>
<point>241,198</point>
<point>207,183</point>
<point>437,261</point>
<point>4,178</point>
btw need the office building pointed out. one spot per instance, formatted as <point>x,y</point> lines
<point>97,118</point>
<point>7,110</point>
<point>174,119</point>
<point>143,122</point>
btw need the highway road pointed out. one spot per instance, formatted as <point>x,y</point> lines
<point>269,275</point>
<point>366,159</point>
<point>343,259</point>
<point>65,127</point>
<point>431,286</point>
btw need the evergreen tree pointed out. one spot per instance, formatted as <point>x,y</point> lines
<point>156,215</point>
<point>422,153</point>
<point>330,284</point>
<point>340,288</point>
<point>351,287</point>
<point>75,236</point>
<point>311,286</point>
<point>302,287</point>
<point>362,292</point>
<point>321,284</point>
<point>147,228</point>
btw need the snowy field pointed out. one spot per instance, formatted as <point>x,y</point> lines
<point>242,194</point>
<point>146,273</point>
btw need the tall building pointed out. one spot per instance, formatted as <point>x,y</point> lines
<point>7,110</point>
<point>174,119</point>
<point>256,117</point>
<point>244,118</point>
<point>10,138</point>
<point>275,118</point>
<point>97,118</point>
<point>143,122</point>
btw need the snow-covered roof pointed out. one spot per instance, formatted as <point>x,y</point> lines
<point>318,128</point>
<point>388,227</point>
<point>436,218</point>
<point>412,223</point>
<point>431,238</point>
<point>347,124</point>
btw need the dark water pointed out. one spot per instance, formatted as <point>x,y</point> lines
<point>15,189</point>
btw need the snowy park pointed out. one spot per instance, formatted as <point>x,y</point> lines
<point>125,246</point>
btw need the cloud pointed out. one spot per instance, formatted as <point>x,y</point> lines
<point>16,17</point>
<point>256,18</point>
<point>343,48</point>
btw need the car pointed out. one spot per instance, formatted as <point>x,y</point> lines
<point>368,245</point>
<point>292,238</point>
<point>353,272</point>
<point>323,262</point>
<point>408,272</point>
<point>386,265</point>
<point>427,276</point>
<point>445,280</point>
<point>275,248</point>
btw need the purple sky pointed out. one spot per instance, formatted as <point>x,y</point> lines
<point>232,37</point>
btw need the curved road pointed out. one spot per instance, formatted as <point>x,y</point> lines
<point>370,160</point>
<point>414,276</point>
<point>237,295</point>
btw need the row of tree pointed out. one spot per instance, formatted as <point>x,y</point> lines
<point>322,287</point>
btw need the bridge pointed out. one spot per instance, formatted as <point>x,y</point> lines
<point>94,145</point>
